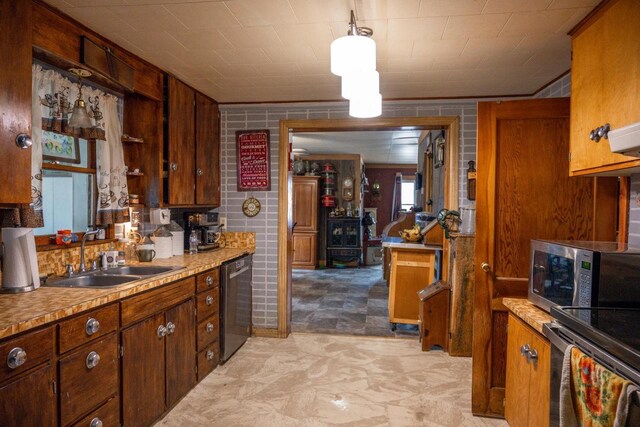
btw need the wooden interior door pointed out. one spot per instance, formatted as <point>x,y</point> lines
<point>181,149</point>
<point>143,371</point>
<point>207,152</point>
<point>181,351</point>
<point>15,99</point>
<point>524,192</point>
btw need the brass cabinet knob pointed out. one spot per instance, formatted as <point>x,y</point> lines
<point>485,267</point>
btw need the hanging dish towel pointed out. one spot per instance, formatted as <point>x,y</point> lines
<point>590,394</point>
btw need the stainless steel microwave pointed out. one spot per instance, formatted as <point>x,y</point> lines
<point>584,274</point>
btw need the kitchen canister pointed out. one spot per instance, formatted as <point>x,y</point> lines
<point>178,238</point>
<point>163,241</point>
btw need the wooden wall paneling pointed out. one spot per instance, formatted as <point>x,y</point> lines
<point>207,152</point>
<point>462,288</point>
<point>15,99</point>
<point>181,143</point>
<point>605,208</point>
<point>143,119</point>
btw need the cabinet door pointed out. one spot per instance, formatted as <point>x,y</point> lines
<point>29,400</point>
<point>304,250</point>
<point>305,204</point>
<point>207,152</point>
<point>15,99</point>
<point>539,384</point>
<point>181,143</point>
<point>605,76</point>
<point>143,372</point>
<point>517,383</point>
<point>181,351</point>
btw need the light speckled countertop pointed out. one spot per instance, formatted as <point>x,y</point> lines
<point>398,243</point>
<point>21,312</point>
<point>529,313</point>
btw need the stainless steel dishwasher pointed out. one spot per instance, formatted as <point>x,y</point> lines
<point>235,313</point>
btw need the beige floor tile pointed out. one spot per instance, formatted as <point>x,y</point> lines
<point>314,380</point>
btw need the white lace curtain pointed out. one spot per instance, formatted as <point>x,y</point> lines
<point>53,98</point>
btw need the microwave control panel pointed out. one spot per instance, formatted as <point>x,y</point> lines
<point>585,278</point>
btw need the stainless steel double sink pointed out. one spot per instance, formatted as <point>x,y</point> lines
<point>111,277</point>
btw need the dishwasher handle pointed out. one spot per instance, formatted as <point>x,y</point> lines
<point>239,272</point>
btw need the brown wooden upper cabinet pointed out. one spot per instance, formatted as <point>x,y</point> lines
<point>193,147</point>
<point>605,82</point>
<point>15,99</point>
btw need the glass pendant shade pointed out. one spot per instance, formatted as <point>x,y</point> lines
<point>350,54</point>
<point>362,84</point>
<point>79,115</point>
<point>366,106</point>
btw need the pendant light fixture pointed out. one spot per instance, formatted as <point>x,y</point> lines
<point>353,57</point>
<point>79,116</point>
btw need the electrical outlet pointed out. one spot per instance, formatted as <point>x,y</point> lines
<point>222,221</point>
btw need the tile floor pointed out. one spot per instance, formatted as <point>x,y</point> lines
<point>343,301</point>
<point>332,380</point>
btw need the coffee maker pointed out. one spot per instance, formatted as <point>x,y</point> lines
<point>207,229</point>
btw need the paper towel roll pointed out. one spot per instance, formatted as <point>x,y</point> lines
<point>20,261</point>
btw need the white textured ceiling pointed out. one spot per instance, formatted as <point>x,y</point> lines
<point>386,147</point>
<point>278,50</point>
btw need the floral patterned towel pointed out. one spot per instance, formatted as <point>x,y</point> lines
<point>600,397</point>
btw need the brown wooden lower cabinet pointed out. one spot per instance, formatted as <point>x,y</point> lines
<point>527,384</point>
<point>180,351</point>
<point>143,370</point>
<point>108,414</point>
<point>29,400</point>
<point>305,249</point>
<point>88,377</point>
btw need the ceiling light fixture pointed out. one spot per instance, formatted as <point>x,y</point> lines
<point>353,57</point>
<point>79,116</point>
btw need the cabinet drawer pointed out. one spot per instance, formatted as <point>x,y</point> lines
<point>208,304</point>
<point>85,383</point>
<point>208,332</point>
<point>208,359</point>
<point>37,347</point>
<point>77,331</point>
<point>108,414</point>
<point>207,280</point>
<point>147,304</point>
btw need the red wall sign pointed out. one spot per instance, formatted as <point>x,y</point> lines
<point>253,160</point>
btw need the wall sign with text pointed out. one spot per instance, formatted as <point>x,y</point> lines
<point>253,160</point>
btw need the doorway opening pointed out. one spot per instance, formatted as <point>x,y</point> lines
<point>367,279</point>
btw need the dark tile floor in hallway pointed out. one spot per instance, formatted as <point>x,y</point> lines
<point>343,301</point>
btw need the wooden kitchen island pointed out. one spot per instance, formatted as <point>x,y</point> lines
<point>413,266</point>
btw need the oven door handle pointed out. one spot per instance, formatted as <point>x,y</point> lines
<point>550,331</point>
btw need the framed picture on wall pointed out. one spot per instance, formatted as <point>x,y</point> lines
<point>61,148</point>
<point>253,158</point>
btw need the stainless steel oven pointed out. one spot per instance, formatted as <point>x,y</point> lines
<point>584,274</point>
<point>608,335</point>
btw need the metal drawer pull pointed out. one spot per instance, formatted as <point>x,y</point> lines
<point>162,331</point>
<point>171,328</point>
<point>532,356</point>
<point>16,358</point>
<point>23,140</point>
<point>209,300</point>
<point>92,326</point>
<point>210,355</point>
<point>96,422</point>
<point>93,359</point>
<point>209,280</point>
<point>524,350</point>
<point>199,172</point>
<point>174,166</point>
<point>209,327</point>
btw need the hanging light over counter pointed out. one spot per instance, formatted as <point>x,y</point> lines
<point>79,115</point>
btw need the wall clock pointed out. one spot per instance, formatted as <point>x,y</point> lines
<point>347,189</point>
<point>251,207</point>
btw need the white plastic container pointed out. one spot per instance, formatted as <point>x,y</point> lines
<point>163,240</point>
